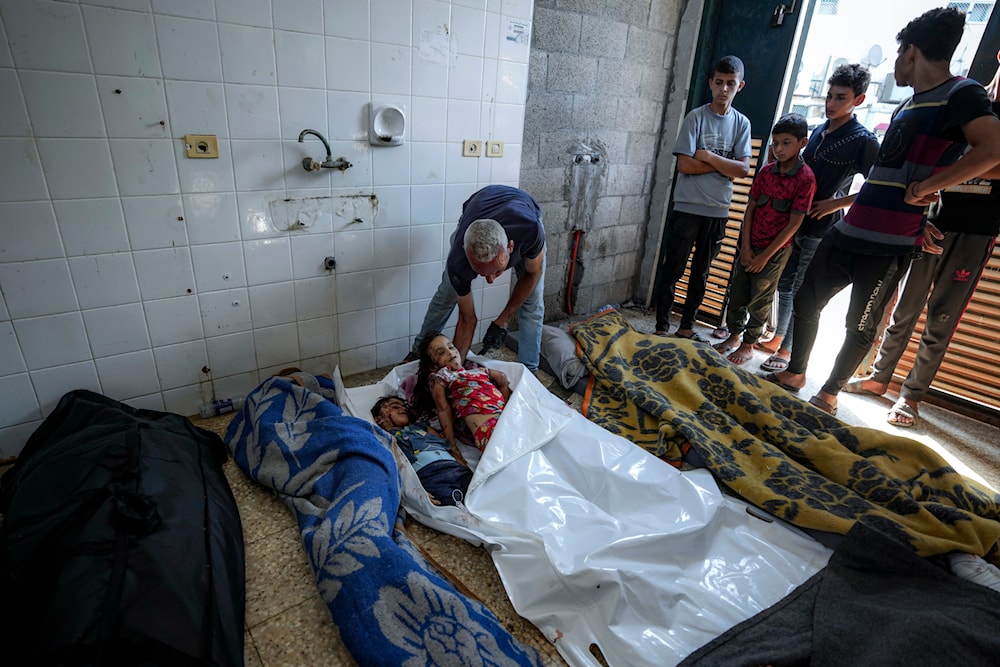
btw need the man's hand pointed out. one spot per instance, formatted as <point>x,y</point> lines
<point>494,338</point>
<point>929,241</point>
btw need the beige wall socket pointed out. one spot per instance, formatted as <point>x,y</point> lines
<point>472,148</point>
<point>494,149</point>
<point>201,145</point>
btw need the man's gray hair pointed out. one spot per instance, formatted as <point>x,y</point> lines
<point>484,239</point>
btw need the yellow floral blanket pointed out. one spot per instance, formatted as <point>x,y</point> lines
<point>776,450</point>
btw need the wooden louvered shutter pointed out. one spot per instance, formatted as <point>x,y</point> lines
<point>971,367</point>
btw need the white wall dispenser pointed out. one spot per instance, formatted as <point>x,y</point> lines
<point>387,122</point>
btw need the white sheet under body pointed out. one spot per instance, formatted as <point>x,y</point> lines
<point>599,542</point>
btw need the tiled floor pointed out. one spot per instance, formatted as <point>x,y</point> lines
<point>288,624</point>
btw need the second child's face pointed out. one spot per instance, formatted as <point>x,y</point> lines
<point>393,413</point>
<point>444,353</point>
<point>840,102</point>
<point>785,146</point>
<point>724,88</point>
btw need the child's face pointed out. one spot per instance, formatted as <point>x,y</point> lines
<point>392,414</point>
<point>841,101</point>
<point>724,88</point>
<point>785,146</point>
<point>444,353</point>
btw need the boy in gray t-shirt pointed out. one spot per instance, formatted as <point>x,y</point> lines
<point>712,149</point>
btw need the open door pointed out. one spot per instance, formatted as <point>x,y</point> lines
<point>762,33</point>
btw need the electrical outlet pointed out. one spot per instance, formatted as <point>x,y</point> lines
<point>201,145</point>
<point>472,148</point>
<point>494,149</point>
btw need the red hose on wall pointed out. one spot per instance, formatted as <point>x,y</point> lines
<point>572,270</point>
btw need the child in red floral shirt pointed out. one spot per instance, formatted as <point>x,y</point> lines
<point>780,198</point>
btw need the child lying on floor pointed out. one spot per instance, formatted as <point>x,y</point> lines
<point>476,395</point>
<point>439,465</point>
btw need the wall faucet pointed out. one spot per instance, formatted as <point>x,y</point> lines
<point>310,164</point>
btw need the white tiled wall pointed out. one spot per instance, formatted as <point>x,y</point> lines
<point>128,268</point>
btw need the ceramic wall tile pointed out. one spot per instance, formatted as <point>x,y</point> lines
<point>133,107</point>
<point>20,403</point>
<point>38,288</point>
<point>392,21</point>
<point>392,286</point>
<point>116,330</point>
<point>125,376</point>
<point>357,328</point>
<point>164,273</point>
<point>272,304</point>
<point>267,261</point>
<point>91,226</point>
<point>318,337</point>
<point>348,64</point>
<point>231,354</point>
<point>390,69</point>
<point>52,383</point>
<point>301,59</point>
<point>276,346</point>
<point>121,42</point>
<point>189,49</point>
<point>176,320</point>
<point>392,322</point>
<point>197,107</point>
<point>309,254</point>
<point>218,266</point>
<point>104,280</point>
<point>20,171</point>
<point>205,174</point>
<point>355,291</point>
<point>225,312</point>
<point>196,9</point>
<point>144,166</point>
<point>77,168</point>
<point>392,247</point>
<point>347,18</point>
<point>29,231</point>
<point>298,15</point>
<point>245,12</point>
<point>13,112</point>
<point>247,54</point>
<point>46,36</point>
<point>47,93</point>
<point>11,359</point>
<point>211,218</point>
<point>252,111</point>
<point>155,222</point>
<point>181,364</point>
<point>53,340</point>
<point>316,297</point>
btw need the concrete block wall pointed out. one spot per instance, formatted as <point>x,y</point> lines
<point>599,74</point>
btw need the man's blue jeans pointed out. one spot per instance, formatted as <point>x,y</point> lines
<point>529,317</point>
<point>803,249</point>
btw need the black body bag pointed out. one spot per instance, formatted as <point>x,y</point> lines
<point>121,542</point>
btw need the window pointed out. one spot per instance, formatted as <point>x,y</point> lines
<point>828,7</point>
<point>975,12</point>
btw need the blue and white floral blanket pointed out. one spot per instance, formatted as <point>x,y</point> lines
<point>338,475</point>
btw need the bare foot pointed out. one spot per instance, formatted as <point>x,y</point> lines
<point>728,345</point>
<point>742,354</point>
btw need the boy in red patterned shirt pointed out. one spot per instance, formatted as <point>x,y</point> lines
<point>780,198</point>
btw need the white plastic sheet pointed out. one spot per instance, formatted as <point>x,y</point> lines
<point>599,543</point>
